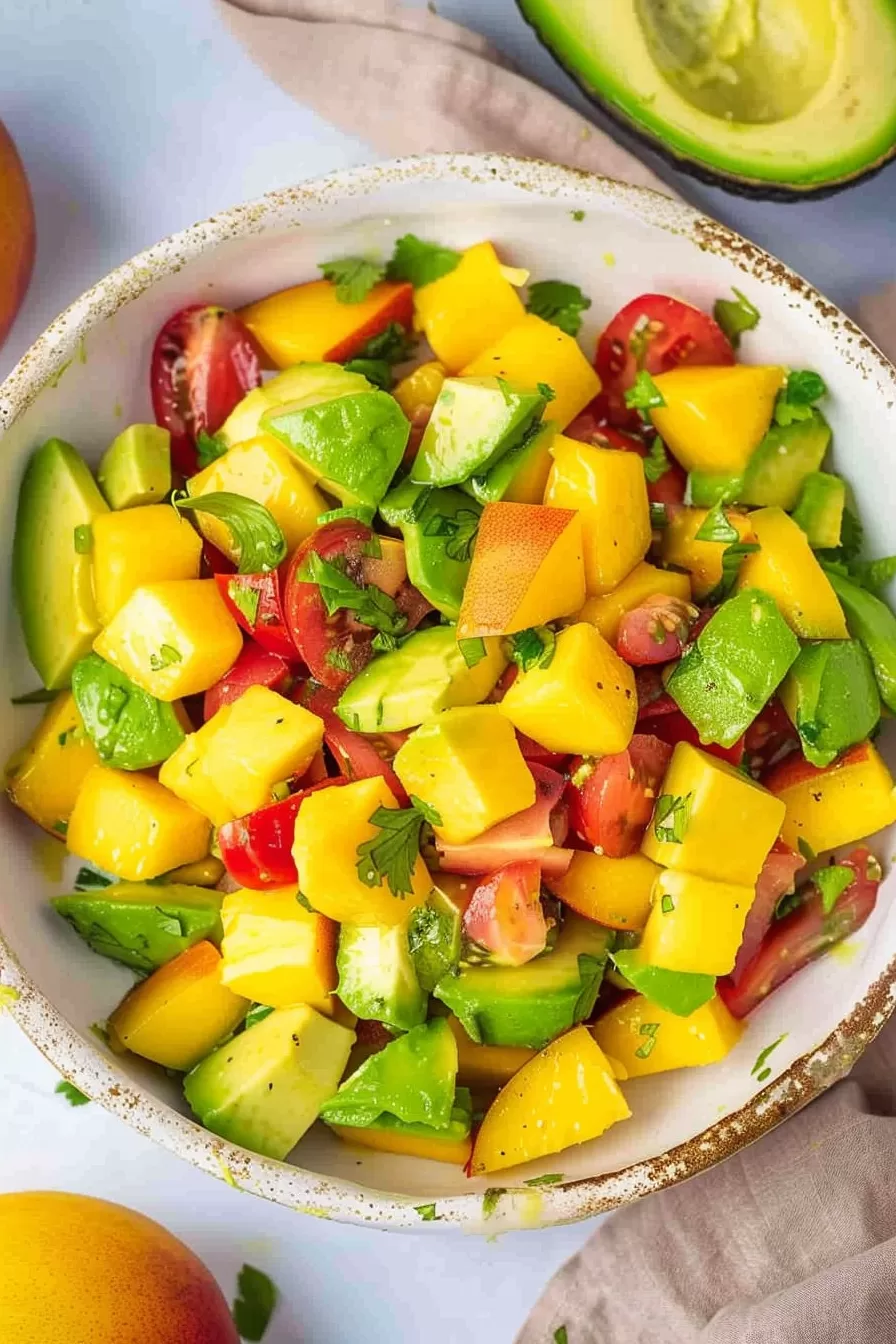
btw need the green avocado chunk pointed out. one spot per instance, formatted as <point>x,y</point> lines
<point>785,457</point>
<point>311,382</point>
<point>457,1129</point>
<point>130,729</point>
<point>136,467</point>
<point>819,509</point>
<point>513,465</point>
<point>530,1005</point>
<point>412,1078</point>
<point>51,567</point>
<point>473,423</point>
<point>739,659</point>
<point>831,698</point>
<point>679,992</point>
<point>439,529</point>
<point>377,980</point>
<point>434,938</point>
<point>143,924</point>
<point>705,489</point>
<point>870,620</point>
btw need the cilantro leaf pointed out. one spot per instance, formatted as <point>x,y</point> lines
<point>764,1054</point>
<point>354,277</point>
<point>804,387</point>
<point>394,344</point>
<point>650,1030</point>
<point>376,371</point>
<point>461,531</point>
<point>644,395</point>
<point>71,1094</point>
<point>427,1212</point>
<point>732,559</point>
<point>716,527</point>
<point>362,512</point>
<point>546,391</point>
<point>490,1200</point>
<point>874,574</point>
<point>257,1013</point>
<point>671,816</point>
<point>559,303</point>
<point>533,647</point>
<point>421,262</point>
<point>656,463</point>
<point>561,1335</point>
<point>166,656</point>
<point>338,592</point>
<point>391,856</point>
<point>383,643</point>
<point>550,1178</point>
<point>472,650</point>
<point>256,533</point>
<point>735,316</point>
<point>427,813</point>
<point>338,658</point>
<point>805,849</point>
<point>255,1303</point>
<point>831,883</point>
<point>245,599</point>
<point>209,447</point>
<point>88,879</point>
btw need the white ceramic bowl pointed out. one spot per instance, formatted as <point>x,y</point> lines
<point>87,376</point>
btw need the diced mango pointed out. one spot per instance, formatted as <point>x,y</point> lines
<point>526,570</point>
<point>609,489</point>
<point>132,826</point>
<point>331,827</point>
<point>184,775</point>
<point>533,352</point>
<point>464,311</point>
<point>702,559</point>
<point>43,777</point>
<point>644,581</point>
<point>695,924</point>
<point>277,952</point>
<point>715,416</point>
<point>836,805</point>
<point>263,740</point>
<point>264,470</point>
<point>584,701</point>
<point>134,547</point>
<point>310,323</point>
<point>486,1066</point>
<point>566,1095</point>
<point>786,568</point>
<point>173,639</point>
<point>647,1039</point>
<point>433,1147</point>
<point>615,892</point>
<point>180,1013</point>
<point>419,390</point>
<point>467,765</point>
<point>711,820</point>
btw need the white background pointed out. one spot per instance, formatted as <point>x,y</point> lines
<point>135,118</point>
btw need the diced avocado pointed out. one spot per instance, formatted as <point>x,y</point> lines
<point>136,467</point>
<point>522,472</point>
<point>679,992</point>
<point>52,580</point>
<point>302,382</point>
<point>377,980</point>
<point>705,489</point>
<point>434,938</point>
<point>819,509</point>
<point>426,674</point>
<point>264,1088</point>
<point>439,529</point>
<point>411,1078</point>
<point>831,698</point>
<point>143,924</point>
<point>740,657</point>
<point>473,423</point>
<point>783,460</point>
<point>130,729</point>
<point>530,1005</point>
<point>870,620</point>
<point>457,1129</point>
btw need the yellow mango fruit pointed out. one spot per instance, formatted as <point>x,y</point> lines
<point>715,416</point>
<point>609,489</point>
<point>615,892</point>
<point>275,951</point>
<point>486,1067</point>
<point>837,805</point>
<point>695,924</point>
<point>134,547</point>
<point>702,559</point>
<point>133,827</point>
<point>584,701</point>
<point>464,311</point>
<point>526,570</point>
<point>787,569</point>
<point>331,826</point>
<point>262,741</point>
<point>179,1013</point>
<point>670,1041</point>
<point>308,322</point>
<point>264,470</point>
<point>644,581</point>
<point>433,1146</point>
<point>173,639</point>
<point>183,774</point>
<point>721,824</point>
<point>566,1095</point>
<point>419,390</point>
<point>466,764</point>
<point>44,777</point>
<point>534,351</point>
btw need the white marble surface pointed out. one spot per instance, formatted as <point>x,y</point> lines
<point>135,118</point>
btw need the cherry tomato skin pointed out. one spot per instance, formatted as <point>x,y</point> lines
<point>256,849</point>
<point>610,806</point>
<point>204,361</point>
<point>653,698</point>
<point>535,754</point>
<point>261,593</point>
<point>775,880</point>
<point>675,727</point>
<point>505,915</point>
<point>255,666</point>
<point>771,737</point>
<point>356,755</point>
<point>656,631</point>
<point>538,833</point>
<point>629,434</point>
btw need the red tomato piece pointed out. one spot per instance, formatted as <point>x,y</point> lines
<point>804,935</point>
<point>204,361</point>
<point>611,800</point>
<point>505,915</point>
<point>215,561</point>
<point>656,631</point>
<point>535,834</point>
<point>676,727</point>
<point>254,667</point>
<point>775,880</point>
<point>653,699</point>
<point>771,737</point>
<point>357,755</point>
<point>536,754</point>
<point>256,849</point>
<point>255,602</point>
<point>630,435</point>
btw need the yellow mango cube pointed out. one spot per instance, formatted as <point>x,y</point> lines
<point>331,826</point>
<point>609,489</point>
<point>263,740</point>
<point>179,1013</point>
<point>173,639</point>
<point>486,1066</point>
<point>715,416</point>
<point>133,827</point>
<point>466,764</point>
<point>695,924</point>
<point>44,777</point>
<point>711,820</point>
<point>584,701</point>
<point>702,559</point>
<point>836,805</point>
<point>532,352</point>
<point>647,1039</point>
<point>184,775</point>
<point>566,1095</point>
<point>419,390</point>
<point>787,569</point>
<point>614,892</point>
<point>437,1146</point>
<point>275,951</point>
<point>264,470</point>
<point>645,580</point>
<point>464,311</point>
<point>134,547</point>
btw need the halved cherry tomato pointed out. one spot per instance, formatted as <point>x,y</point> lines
<point>505,916</point>
<point>537,833</point>
<point>675,727</point>
<point>254,667</point>
<point>611,800</point>
<point>357,755</point>
<point>803,935</point>
<point>653,698</point>
<point>775,880</point>
<point>535,754</point>
<point>770,737</point>
<point>255,602</point>
<point>656,631</point>
<point>204,361</point>
<point>631,436</point>
<point>256,849</point>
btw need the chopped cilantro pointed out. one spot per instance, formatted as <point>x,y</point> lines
<point>764,1054</point>
<point>735,316</point>
<point>255,1302</point>
<point>167,656</point>
<point>338,658</point>
<point>383,643</point>
<point>8,996</point>
<point>667,905</point>
<point>659,518</point>
<point>550,1178</point>
<point>391,855</point>
<point>60,827</point>
<point>577,215</point>
<point>209,447</point>
<point>490,1200</point>
<point>245,599</point>
<point>656,463</point>
<point>362,512</point>
<point>354,277</point>
<point>461,530</point>
<point>83,539</point>
<point>670,817</point>
<point>376,371</point>
<point>561,1335</point>
<point>831,883</point>
<point>257,1013</point>
<point>338,592</point>
<point>71,1094</point>
<point>547,391</point>
<point>716,527</point>
<point>644,395</point>
<point>304,902</point>
<point>873,574</point>
<point>427,812</point>
<point>533,647</point>
<point>805,849</point>
<point>421,262</point>
<point>394,344</point>
<point>255,531</point>
<point>427,1212</point>
<point>795,401</point>
<point>472,650</point>
<point>732,558</point>
<point>649,1030</point>
<point>559,303</point>
<point>39,697</point>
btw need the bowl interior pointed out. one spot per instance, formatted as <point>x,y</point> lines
<point>627,243</point>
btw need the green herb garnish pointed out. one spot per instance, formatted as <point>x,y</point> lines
<point>831,883</point>
<point>795,401</point>
<point>339,659</point>
<point>209,447</point>
<point>472,650</point>
<point>533,647</point>
<point>732,559</point>
<point>427,1212</point>
<point>490,1200</point>
<point>72,1095</point>
<point>427,812</point>
<point>376,371</point>
<point>383,643</point>
<point>354,277</point>
<point>245,599</point>
<point>764,1054</point>
<point>874,575</point>
<point>255,1302</point>
<point>304,902</point>
<point>667,905</point>
<point>644,395</point>
<point>559,303</point>
<point>461,530</point>
<point>656,463</point>
<point>659,518</point>
<point>551,1178</point>
<point>256,533</point>
<point>735,316</point>
<point>648,1029</point>
<point>805,849</point>
<point>670,817</point>
<point>561,1335</point>
<point>338,592</point>
<point>577,215</point>
<point>391,855</point>
<point>546,391</point>
<point>88,879</point>
<point>166,656</point>
<point>420,262</point>
<point>716,527</point>
<point>362,512</point>
<point>257,1013</point>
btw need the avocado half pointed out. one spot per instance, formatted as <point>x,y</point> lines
<point>779,99</point>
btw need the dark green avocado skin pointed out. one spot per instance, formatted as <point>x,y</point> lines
<point>751,188</point>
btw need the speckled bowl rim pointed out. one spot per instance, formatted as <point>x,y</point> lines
<point>81,1061</point>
